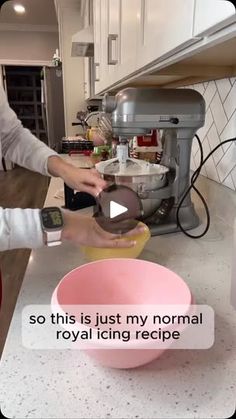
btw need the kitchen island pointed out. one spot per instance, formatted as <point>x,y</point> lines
<point>180,384</point>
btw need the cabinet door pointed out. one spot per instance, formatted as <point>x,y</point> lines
<point>107,43</point>
<point>97,19</point>
<point>113,40</point>
<point>86,78</point>
<point>211,15</point>
<point>130,13</point>
<point>165,26</point>
<point>119,37</point>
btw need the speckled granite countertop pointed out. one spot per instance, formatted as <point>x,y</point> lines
<point>181,384</point>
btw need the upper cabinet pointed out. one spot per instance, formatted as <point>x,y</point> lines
<point>116,35</point>
<point>97,19</point>
<point>135,37</point>
<point>130,34</point>
<point>212,15</point>
<point>129,39</point>
<point>165,26</point>
<point>113,38</point>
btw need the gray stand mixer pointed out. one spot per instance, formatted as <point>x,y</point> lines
<point>178,113</point>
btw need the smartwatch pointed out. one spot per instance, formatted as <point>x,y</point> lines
<point>52,224</point>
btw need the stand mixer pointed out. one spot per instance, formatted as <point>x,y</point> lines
<point>178,113</point>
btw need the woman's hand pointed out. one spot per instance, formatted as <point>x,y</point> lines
<point>82,180</point>
<point>84,230</point>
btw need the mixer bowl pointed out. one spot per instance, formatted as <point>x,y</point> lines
<point>95,253</point>
<point>148,181</point>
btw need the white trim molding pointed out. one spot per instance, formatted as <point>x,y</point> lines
<point>26,63</point>
<point>28,28</point>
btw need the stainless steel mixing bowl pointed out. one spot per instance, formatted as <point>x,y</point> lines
<point>141,182</point>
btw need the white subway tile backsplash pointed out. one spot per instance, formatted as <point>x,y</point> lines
<point>218,113</point>
<point>197,163</point>
<point>209,93</point>
<point>202,132</point>
<point>209,165</point>
<point>195,147</point>
<point>233,175</point>
<point>227,163</point>
<point>200,88</point>
<point>229,131</point>
<point>220,125</point>
<point>230,102</point>
<point>206,147</point>
<point>214,141</point>
<point>229,182</point>
<point>192,163</point>
<point>224,86</point>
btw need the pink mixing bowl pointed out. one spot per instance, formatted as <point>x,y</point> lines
<point>122,281</point>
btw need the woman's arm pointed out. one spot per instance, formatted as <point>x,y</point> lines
<point>82,180</point>
<point>21,228</point>
<point>18,144</point>
<point>21,147</point>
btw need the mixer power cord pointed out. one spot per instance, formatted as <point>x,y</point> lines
<point>194,177</point>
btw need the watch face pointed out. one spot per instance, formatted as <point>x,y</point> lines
<point>52,218</point>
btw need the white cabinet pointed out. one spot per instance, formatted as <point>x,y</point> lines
<point>137,35</point>
<point>87,79</point>
<point>97,22</point>
<point>129,37</point>
<point>116,36</point>
<point>122,38</point>
<point>113,40</point>
<point>212,15</point>
<point>165,26</point>
<point>131,34</point>
<point>106,43</point>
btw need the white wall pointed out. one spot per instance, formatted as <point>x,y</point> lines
<point>73,67</point>
<point>27,46</point>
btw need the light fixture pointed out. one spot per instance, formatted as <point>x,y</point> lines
<point>19,8</point>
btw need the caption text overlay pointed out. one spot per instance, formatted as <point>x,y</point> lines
<point>118,327</point>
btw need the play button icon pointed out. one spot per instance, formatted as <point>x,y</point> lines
<point>118,209</point>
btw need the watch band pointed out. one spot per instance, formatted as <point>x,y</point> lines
<point>53,238</point>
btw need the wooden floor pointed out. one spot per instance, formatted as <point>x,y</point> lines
<point>19,188</point>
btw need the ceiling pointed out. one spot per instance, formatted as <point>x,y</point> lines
<point>38,12</point>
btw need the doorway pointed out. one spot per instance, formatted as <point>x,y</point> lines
<point>23,86</point>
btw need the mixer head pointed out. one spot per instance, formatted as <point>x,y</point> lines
<point>136,111</point>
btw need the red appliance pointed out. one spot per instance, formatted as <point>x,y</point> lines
<point>148,140</point>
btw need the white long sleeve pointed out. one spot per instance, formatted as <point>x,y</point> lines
<point>18,144</point>
<point>20,228</point>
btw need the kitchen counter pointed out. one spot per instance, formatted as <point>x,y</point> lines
<point>180,384</point>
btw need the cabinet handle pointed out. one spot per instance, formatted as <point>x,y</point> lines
<point>96,72</point>
<point>112,38</point>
